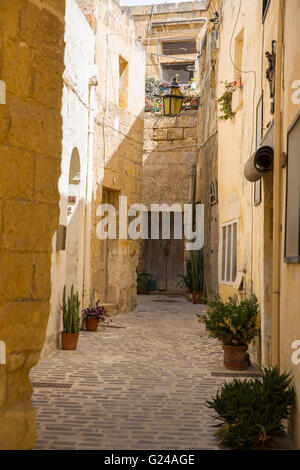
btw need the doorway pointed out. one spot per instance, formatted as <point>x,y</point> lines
<point>165,259</point>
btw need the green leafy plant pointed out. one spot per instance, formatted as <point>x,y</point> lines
<point>196,268</point>
<point>153,90</point>
<point>251,412</point>
<point>70,310</point>
<point>233,323</point>
<point>186,279</point>
<point>143,280</point>
<point>226,101</point>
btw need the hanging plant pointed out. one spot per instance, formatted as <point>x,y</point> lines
<point>226,101</point>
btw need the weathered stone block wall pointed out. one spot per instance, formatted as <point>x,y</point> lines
<point>118,148</point>
<point>158,21</point>
<point>31,65</point>
<point>170,153</point>
<point>207,167</point>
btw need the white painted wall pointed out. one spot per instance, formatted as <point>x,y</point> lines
<point>67,266</point>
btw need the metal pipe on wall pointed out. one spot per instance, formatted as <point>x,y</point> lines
<point>277,191</point>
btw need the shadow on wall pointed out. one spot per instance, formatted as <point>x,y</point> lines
<point>112,262</point>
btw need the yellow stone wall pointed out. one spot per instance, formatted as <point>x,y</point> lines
<point>236,144</point>
<point>152,25</point>
<point>290,273</point>
<point>236,140</point>
<point>118,149</point>
<point>31,65</point>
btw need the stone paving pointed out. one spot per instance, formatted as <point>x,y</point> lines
<point>142,386</point>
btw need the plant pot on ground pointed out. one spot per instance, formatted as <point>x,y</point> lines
<point>71,320</point>
<point>186,280</point>
<point>93,316</point>
<point>251,412</point>
<point>143,280</point>
<point>196,269</point>
<point>196,297</point>
<point>235,324</point>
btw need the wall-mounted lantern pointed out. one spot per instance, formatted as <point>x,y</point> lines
<point>173,100</point>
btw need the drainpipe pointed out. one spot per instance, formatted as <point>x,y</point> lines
<point>276,195</point>
<point>93,82</point>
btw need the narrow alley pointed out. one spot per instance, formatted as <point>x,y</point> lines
<point>140,386</point>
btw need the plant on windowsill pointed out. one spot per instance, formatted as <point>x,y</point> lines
<point>235,325</point>
<point>226,101</point>
<point>71,319</point>
<point>93,316</point>
<point>251,412</point>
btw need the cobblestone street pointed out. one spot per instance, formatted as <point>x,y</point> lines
<point>140,386</point>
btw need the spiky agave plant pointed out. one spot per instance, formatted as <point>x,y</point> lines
<point>195,266</point>
<point>70,310</point>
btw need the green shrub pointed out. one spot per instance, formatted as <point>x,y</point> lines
<point>251,412</point>
<point>196,269</point>
<point>233,323</point>
<point>143,280</point>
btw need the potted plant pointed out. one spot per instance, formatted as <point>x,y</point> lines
<point>143,280</point>
<point>235,325</point>
<point>251,413</point>
<point>93,316</point>
<point>186,279</point>
<point>196,268</point>
<point>71,319</point>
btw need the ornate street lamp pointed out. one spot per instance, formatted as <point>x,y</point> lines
<point>173,100</point>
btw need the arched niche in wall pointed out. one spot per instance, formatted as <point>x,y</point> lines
<point>75,170</point>
<point>75,224</point>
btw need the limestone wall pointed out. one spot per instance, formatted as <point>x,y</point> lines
<point>118,149</point>
<point>207,167</point>
<point>67,264</point>
<point>155,23</point>
<point>170,153</point>
<point>31,65</point>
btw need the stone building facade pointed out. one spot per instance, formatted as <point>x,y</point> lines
<point>259,212</point>
<point>171,34</point>
<point>71,133</point>
<point>32,66</point>
<point>207,166</point>
<point>169,162</point>
<point>103,101</point>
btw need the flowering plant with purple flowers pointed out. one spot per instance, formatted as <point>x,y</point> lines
<point>98,312</point>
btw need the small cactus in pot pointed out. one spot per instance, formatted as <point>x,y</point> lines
<point>71,319</point>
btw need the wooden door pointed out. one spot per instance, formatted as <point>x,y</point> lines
<point>165,260</point>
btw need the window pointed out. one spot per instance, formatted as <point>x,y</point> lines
<point>123,83</point>
<point>229,253</point>
<point>179,47</point>
<point>238,56</point>
<point>185,72</point>
<point>266,4</point>
<point>292,226</point>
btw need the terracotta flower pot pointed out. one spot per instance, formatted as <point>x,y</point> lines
<point>92,324</point>
<point>236,357</point>
<point>196,298</point>
<point>69,341</point>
